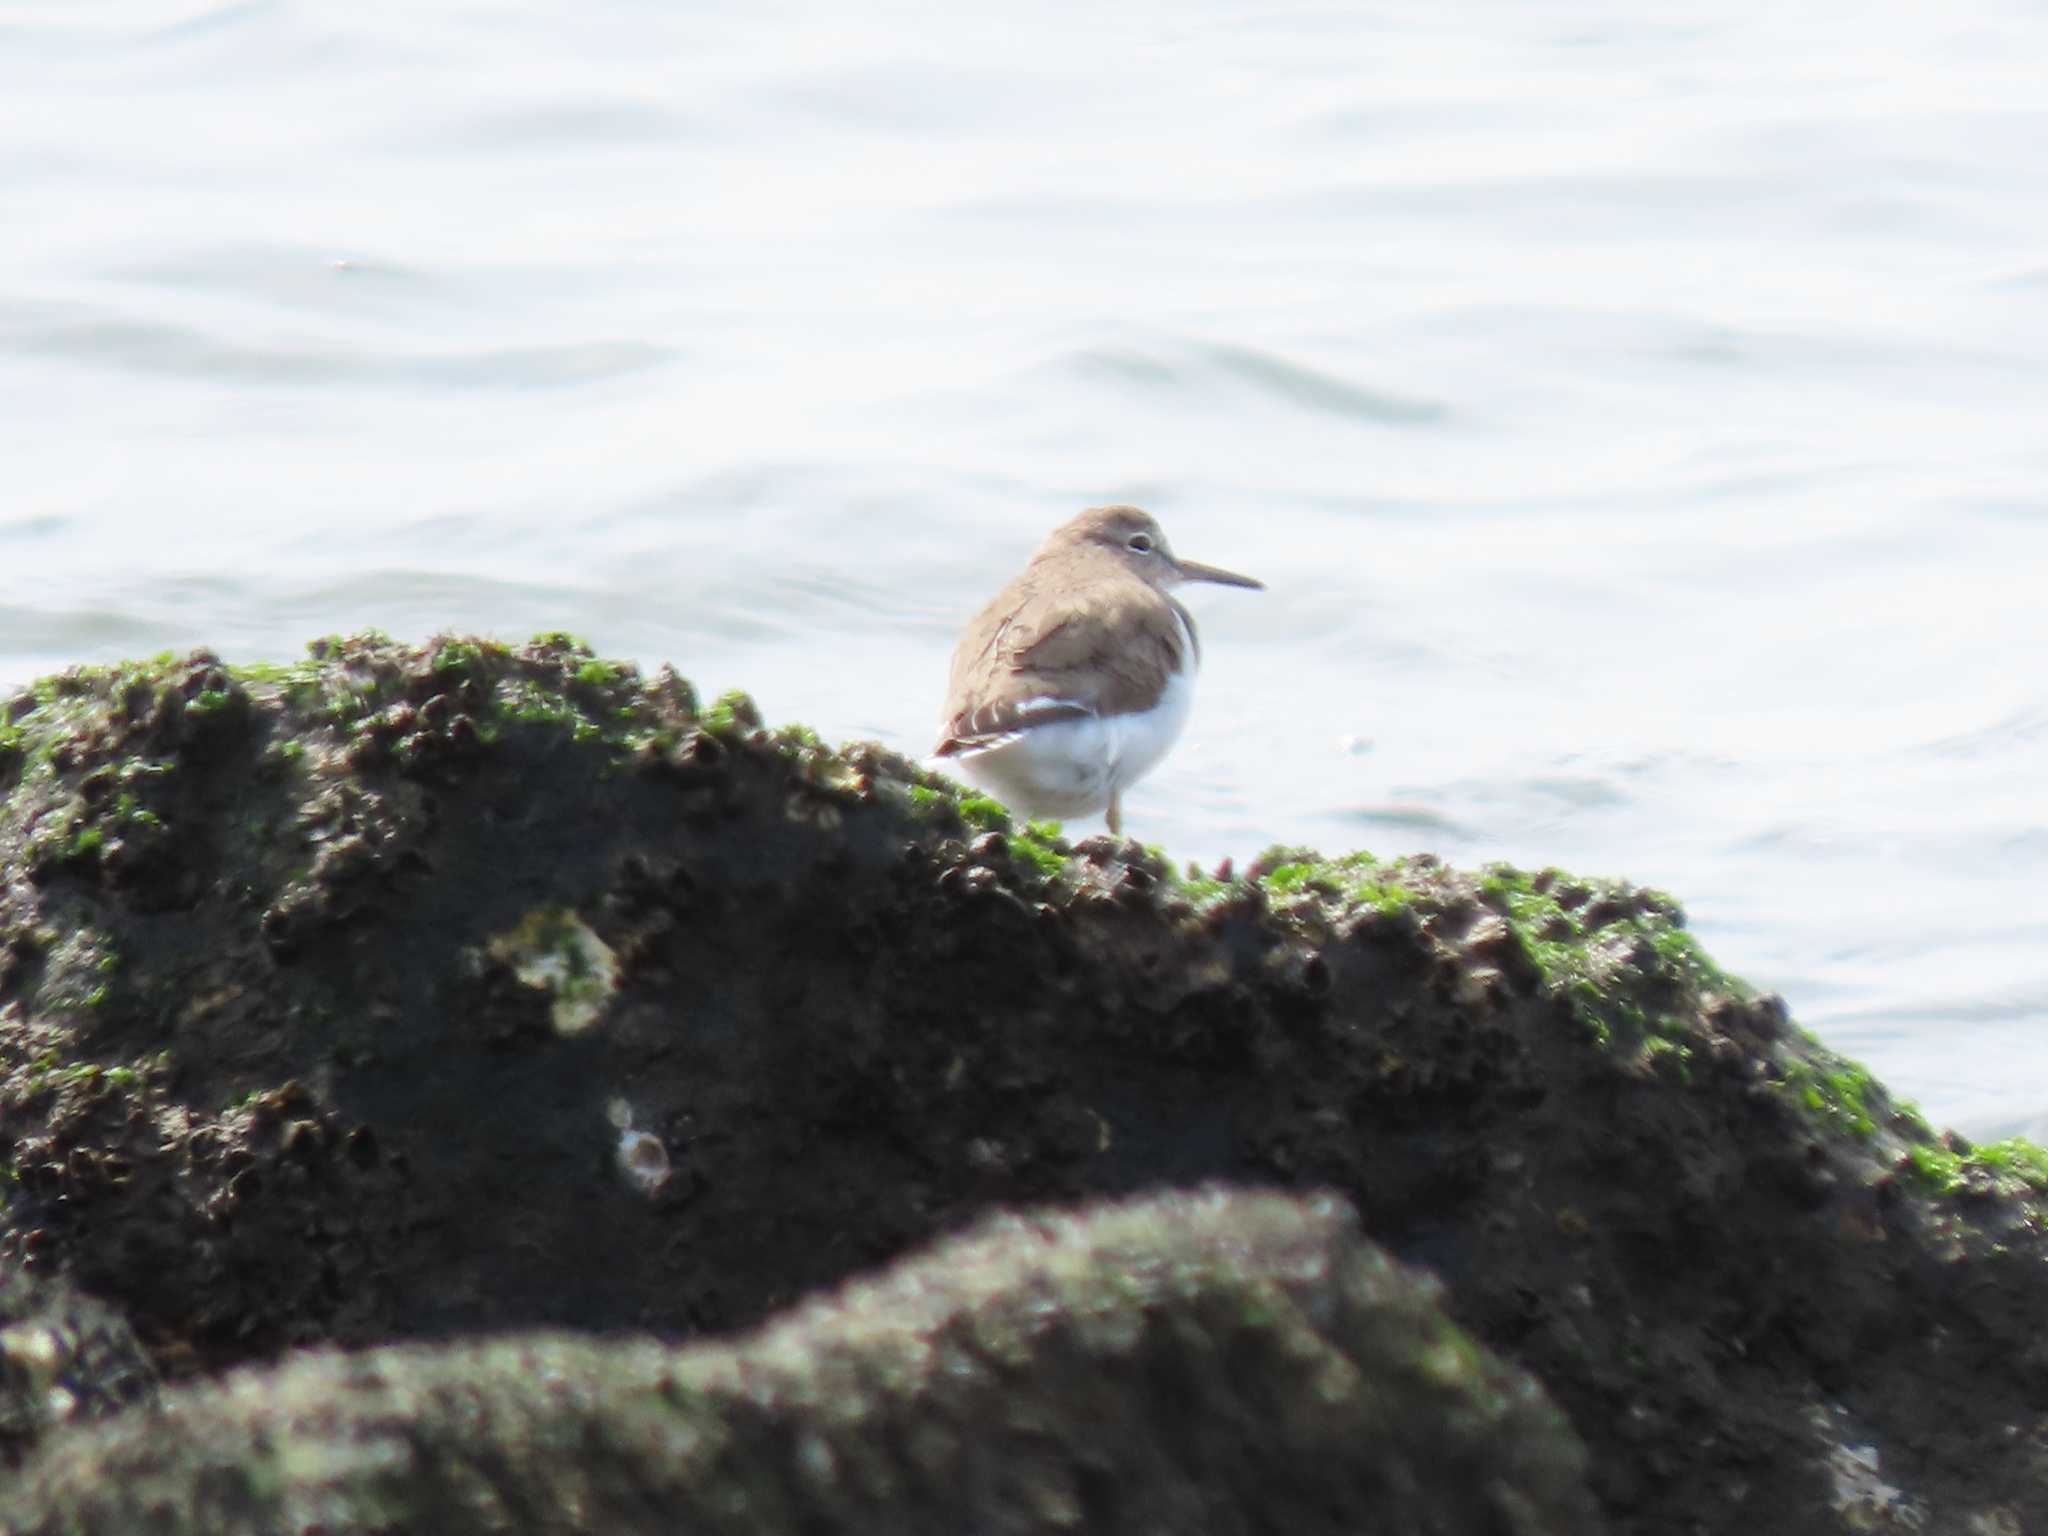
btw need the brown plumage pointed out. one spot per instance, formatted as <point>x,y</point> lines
<point>1087,639</point>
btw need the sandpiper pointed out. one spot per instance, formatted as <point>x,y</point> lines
<point>1075,679</point>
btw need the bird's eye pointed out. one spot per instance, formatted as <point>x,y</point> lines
<point>1140,544</point>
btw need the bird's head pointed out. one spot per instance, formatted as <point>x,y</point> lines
<point>1134,538</point>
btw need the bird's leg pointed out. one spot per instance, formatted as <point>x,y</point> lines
<point>1116,813</point>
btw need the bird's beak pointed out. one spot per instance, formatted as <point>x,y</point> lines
<point>1194,570</point>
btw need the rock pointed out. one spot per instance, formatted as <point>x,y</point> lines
<point>1215,1362</point>
<point>413,992</point>
<point>64,1359</point>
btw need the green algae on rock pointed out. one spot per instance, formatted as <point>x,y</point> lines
<point>553,950</point>
<point>1206,1362</point>
<point>264,1082</point>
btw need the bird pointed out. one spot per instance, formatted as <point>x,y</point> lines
<point>1075,679</point>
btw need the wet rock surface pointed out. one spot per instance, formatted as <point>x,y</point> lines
<point>419,992</point>
<point>1218,1363</point>
<point>64,1359</point>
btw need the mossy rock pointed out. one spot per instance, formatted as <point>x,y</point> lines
<point>1218,1363</point>
<point>418,991</point>
<point>64,1359</point>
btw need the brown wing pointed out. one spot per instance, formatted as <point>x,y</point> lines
<point>1036,655</point>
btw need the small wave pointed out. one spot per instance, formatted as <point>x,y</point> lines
<point>147,348</point>
<point>1316,390</point>
<point>2021,728</point>
<point>1407,818</point>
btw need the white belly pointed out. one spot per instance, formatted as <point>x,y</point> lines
<point>1072,767</point>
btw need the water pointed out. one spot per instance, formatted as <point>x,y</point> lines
<point>1637,419</point>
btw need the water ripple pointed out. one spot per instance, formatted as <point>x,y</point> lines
<point>149,347</point>
<point>1316,390</point>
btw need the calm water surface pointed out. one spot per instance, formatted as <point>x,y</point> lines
<point>1637,419</point>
